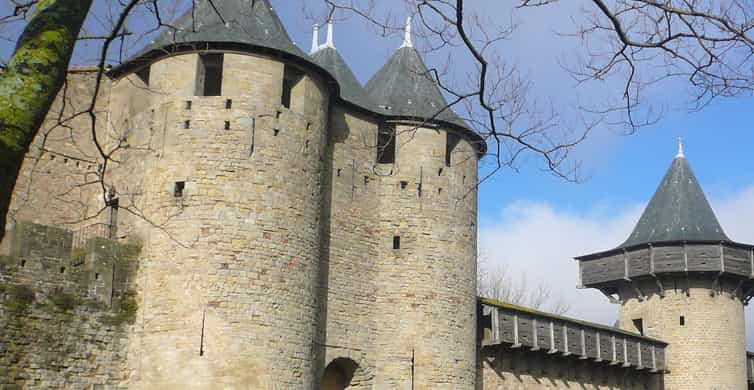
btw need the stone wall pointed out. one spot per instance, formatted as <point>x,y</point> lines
<point>65,311</point>
<point>520,369</point>
<point>703,323</point>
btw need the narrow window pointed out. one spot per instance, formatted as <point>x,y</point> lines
<point>291,79</point>
<point>639,325</point>
<point>62,270</point>
<point>227,125</point>
<point>683,321</point>
<point>114,205</point>
<point>188,104</point>
<point>450,144</point>
<point>187,124</point>
<point>143,75</point>
<point>396,242</point>
<point>23,263</point>
<point>96,276</point>
<point>228,104</point>
<point>178,189</point>
<point>209,75</point>
<point>404,184</point>
<point>386,144</point>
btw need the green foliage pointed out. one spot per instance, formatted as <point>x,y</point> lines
<point>78,255</point>
<point>19,297</point>
<point>126,313</point>
<point>63,300</point>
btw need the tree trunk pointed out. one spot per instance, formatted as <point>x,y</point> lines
<point>28,87</point>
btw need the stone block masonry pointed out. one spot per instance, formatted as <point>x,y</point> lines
<point>59,329</point>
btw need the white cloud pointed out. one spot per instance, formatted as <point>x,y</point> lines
<point>537,241</point>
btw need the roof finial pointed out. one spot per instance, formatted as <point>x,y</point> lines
<point>329,42</point>
<point>407,37</point>
<point>680,149</point>
<point>315,39</point>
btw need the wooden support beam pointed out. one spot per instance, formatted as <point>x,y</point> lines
<point>599,348</point>
<point>583,345</point>
<point>567,348</point>
<point>553,349</point>
<point>535,340</point>
<point>516,343</point>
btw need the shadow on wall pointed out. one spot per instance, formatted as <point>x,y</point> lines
<point>338,374</point>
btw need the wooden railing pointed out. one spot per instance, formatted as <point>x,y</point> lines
<point>520,327</point>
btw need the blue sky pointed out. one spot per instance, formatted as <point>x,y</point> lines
<point>533,223</point>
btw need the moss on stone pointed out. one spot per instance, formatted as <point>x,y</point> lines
<point>126,313</point>
<point>63,300</point>
<point>19,297</point>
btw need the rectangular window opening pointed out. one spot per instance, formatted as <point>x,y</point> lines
<point>227,125</point>
<point>450,144</point>
<point>23,263</point>
<point>209,75</point>
<point>386,144</point>
<point>96,276</point>
<point>291,78</point>
<point>188,104</point>
<point>228,104</point>
<point>683,321</point>
<point>143,75</point>
<point>187,124</point>
<point>639,325</point>
<point>178,189</point>
<point>62,270</point>
<point>404,184</point>
<point>396,242</point>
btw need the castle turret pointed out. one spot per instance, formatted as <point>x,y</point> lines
<point>426,270</point>
<point>680,279</point>
<point>234,119</point>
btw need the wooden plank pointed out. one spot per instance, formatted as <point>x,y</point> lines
<point>506,319</point>
<point>703,258</point>
<point>632,351</point>
<point>590,339</point>
<point>737,261</point>
<point>638,262</point>
<point>525,333</point>
<point>619,350</point>
<point>606,347</point>
<point>668,259</point>
<point>543,334</point>
<point>574,340</point>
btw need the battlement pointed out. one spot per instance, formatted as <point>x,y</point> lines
<point>607,271</point>
<point>520,327</point>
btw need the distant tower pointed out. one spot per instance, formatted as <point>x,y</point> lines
<point>679,278</point>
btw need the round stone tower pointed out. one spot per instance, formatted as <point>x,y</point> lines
<point>235,117</point>
<point>680,279</point>
<point>426,270</point>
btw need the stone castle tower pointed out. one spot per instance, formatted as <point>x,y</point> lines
<point>680,279</point>
<point>298,230</point>
<point>265,222</point>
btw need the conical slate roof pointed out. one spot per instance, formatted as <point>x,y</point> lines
<point>678,211</point>
<point>405,87</point>
<point>350,88</point>
<point>231,22</point>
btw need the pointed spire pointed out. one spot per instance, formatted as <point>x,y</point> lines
<point>407,34</point>
<point>680,149</point>
<point>329,42</point>
<point>315,39</point>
